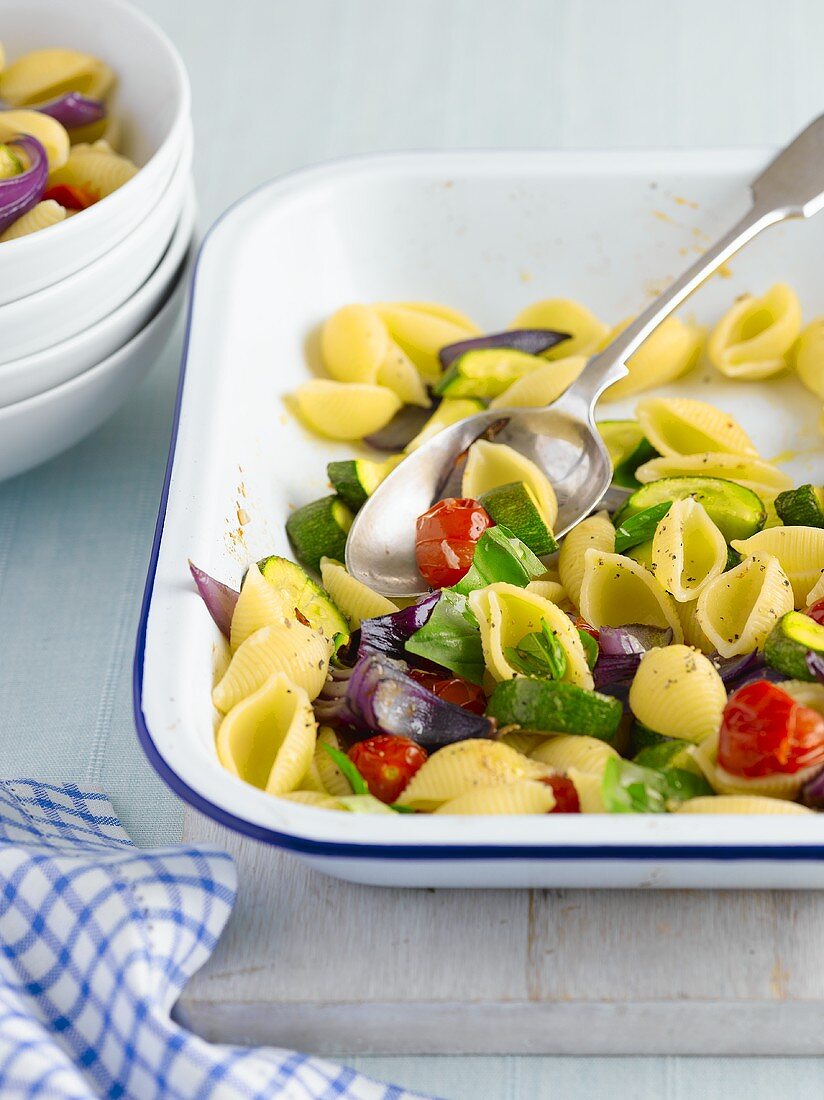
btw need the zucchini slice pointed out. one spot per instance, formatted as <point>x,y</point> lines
<point>642,737</point>
<point>730,506</point>
<point>514,506</point>
<point>318,530</point>
<point>356,479</point>
<point>801,507</point>
<point>486,372</point>
<point>669,754</point>
<point>628,449</point>
<point>312,601</point>
<point>790,640</point>
<point>550,706</point>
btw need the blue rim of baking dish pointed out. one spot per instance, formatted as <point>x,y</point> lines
<point>413,851</point>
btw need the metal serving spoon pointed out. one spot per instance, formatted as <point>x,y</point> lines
<point>562,438</point>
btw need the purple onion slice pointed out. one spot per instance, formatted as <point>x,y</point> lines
<point>815,664</point>
<point>219,598</point>
<point>387,635</point>
<point>18,194</point>
<point>73,110</point>
<point>613,641</point>
<point>533,341</point>
<point>401,429</point>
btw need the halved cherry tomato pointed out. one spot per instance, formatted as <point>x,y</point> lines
<point>387,763</point>
<point>73,198</point>
<point>452,689</point>
<point>816,611</point>
<point>445,538</point>
<point>764,731</point>
<point>580,623</point>
<point>566,796</point>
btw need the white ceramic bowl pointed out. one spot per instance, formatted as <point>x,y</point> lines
<point>61,310</point>
<point>153,101</point>
<point>36,430</point>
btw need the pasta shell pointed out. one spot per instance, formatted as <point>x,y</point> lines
<point>800,550</point>
<point>739,804</point>
<point>617,591</point>
<point>807,694</point>
<point>333,780</point>
<point>435,309</point>
<point>39,217</point>
<point>693,632</point>
<point>817,590</point>
<point>671,351</point>
<point>525,797</point>
<point>354,343</point>
<point>356,600</point>
<point>594,533</point>
<point>268,739</point>
<point>780,785</point>
<point>48,131</point>
<point>683,426</point>
<point>677,692</point>
<point>288,647</point>
<point>258,605</point>
<point>521,741</point>
<point>541,386</point>
<point>564,315</point>
<point>314,799</point>
<point>421,335</point>
<point>753,338</point>
<point>40,75</point>
<point>688,550</point>
<point>489,465</point>
<point>94,169</point>
<point>586,754</point>
<point>340,410</point>
<point>506,613</point>
<point>588,789</point>
<point>753,473</point>
<point>548,590</point>
<point>737,610</point>
<point>466,766</point>
<point>398,373</point>
<point>809,357</point>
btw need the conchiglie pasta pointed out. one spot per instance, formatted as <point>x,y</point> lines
<point>524,797</point>
<point>683,426</point>
<point>737,610</point>
<point>739,804</point>
<point>589,790</point>
<point>753,338</point>
<point>522,740</point>
<point>332,779</point>
<point>316,799</point>
<point>489,465</point>
<point>688,550</point>
<point>693,631</point>
<point>563,315</point>
<point>421,334</point>
<point>617,591</point>
<point>817,590</point>
<point>342,411</point>
<point>541,386</point>
<point>39,217</point>
<point>288,647</point>
<point>671,351</point>
<point>436,309</point>
<point>565,751</point>
<point>268,738</point>
<point>809,357</point>
<point>41,75</point>
<point>48,131</point>
<point>506,613</point>
<point>548,590</point>
<point>806,694</point>
<point>753,473</point>
<point>465,766</point>
<point>398,373</point>
<point>594,533</point>
<point>799,549</point>
<point>780,785</point>
<point>354,342</point>
<point>259,604</point>
<point>677,692</point>
<point>356,600</point>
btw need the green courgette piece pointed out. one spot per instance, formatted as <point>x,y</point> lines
<point>515,507</point>
<point>669,754</point>
<point>312,601</point>
<point>547,706</point>
<point>628,449</point>
<point>790,640</point>
<point>640,528</point>
<point>356,479</point>
<point>642,737</point>
<point>319,530</point>
<point>733,559</point>
<point>801,507</point>
<point>630,788</point>
<point>486,372</point>
<point>737,512</point>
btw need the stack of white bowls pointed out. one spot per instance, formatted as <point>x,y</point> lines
<point>86,305</point>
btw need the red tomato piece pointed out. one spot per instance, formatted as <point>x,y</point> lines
<point>581,624</point>
<point>387,763</point>
<point>566,797</point>
<point>816,611</point>
<point>73,198</point>
<point>764,731</point>
<point>445,538</point>
<point>452,690</point>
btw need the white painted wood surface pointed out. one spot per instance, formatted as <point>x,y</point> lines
<point>323,965</point>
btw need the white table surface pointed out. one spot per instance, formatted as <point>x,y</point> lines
<point>279,84</point>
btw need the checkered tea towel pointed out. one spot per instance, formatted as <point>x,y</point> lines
<point>97,939</point>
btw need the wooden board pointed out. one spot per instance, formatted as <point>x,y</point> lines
<point>310,962</point>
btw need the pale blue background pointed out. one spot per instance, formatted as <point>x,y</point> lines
<point>282,83</point>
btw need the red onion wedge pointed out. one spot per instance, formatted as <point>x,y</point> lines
<point>18,194</point>
<point>73,110</point>
<point>219,598</point>
<point>530,340</point>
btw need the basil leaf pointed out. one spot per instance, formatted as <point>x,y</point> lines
<point>451,638</point>
<point>539,655</point>
<point>356,780</point>
<point>500,556</point>
<point>628,788</point>
<point>640,527</point>
<point>590,648</point>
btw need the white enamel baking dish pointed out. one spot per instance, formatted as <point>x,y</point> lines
<point>487,233</point>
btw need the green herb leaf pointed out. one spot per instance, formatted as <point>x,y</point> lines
<point>590,648</point>
<point>500,556</point>
<point>540,655</point>
<point>640,527</point>
<point>451,638</point>
<point>345,765</point>
<point>629,788</point>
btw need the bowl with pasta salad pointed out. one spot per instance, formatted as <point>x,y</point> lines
<point>640,702</point>
<point>94,112</point>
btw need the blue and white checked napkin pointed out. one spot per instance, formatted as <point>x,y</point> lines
<point>97,939</point>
